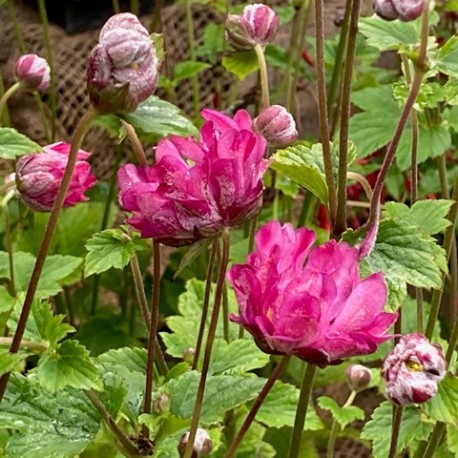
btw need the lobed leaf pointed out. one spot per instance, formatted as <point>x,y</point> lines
<point>13,144</point>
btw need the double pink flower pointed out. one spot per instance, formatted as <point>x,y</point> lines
<point>309,302</point>
<point>196,187</point>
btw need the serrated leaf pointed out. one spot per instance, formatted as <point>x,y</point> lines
<point>430,216</point>
<point>156,116</point>
<point>13,144</point>
<point>444,405</point>
<point>212,42</point>
<point>222,393</point>
<point>403,253</point>
<point>343,415</point>
<point>241,63</point>
<point>377,429</point>
<point>69,365</point>
<point>452,439</point>
<point>188,69</point>
<point>279,408</point>
<point>109,249</point>
<point>447,58</point>
<point>113,394</point>
<point>8,361</point>
<point>46,425</point>
<point>55,270</point>
<point>6,301</point>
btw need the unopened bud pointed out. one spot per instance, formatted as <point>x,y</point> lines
<point>413,370</point>
<point>358,377</point>
<point>33,72</point>
<point>276,125</point>
<point>160,404</point>
<point>203,445</point>
<point>188,355</point>
<point>405,10</point>
<point>339,16</point>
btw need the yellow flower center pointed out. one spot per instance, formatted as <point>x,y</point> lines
<point>414,366</point>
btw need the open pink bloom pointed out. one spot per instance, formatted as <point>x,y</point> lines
<point>309,302</point>
<point>39,175</point>
<point>413,370</point>
<point>196,187</point>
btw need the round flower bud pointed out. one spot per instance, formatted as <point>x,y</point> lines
<point>188,355</point>
<point>408,10</point>
<point>276,125</point>
<point>203,445</point>
<point>33,72</point>
<point>122,68</point>
<point>358,377</point>
<point>38,177</point>
<point>160,404</point>
<point>413,370</point>
<point>339,16</point>
<point>385,9</point>
<point>256,25</point>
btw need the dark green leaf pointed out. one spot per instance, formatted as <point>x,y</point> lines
<point>241,63</point>
<point>13,144</point>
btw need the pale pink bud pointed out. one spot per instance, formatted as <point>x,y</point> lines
<point>38,177</point>
<point>122,68</point>
<point>33,72</point>
<point>339,16</point>
<point>413,370</point>
<point>408,9</point>
<point>256,25</point>
<point>385,9</point>
<point>358,377</point>
<point>203,445</point>
<point>276,125</point>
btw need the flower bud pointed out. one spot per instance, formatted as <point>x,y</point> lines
<point>339,16</point>
<point>405,10</point>
<point>256,25</point>
<point>38,177</point>
<point>358,377</point>
<point>122,68</point>
<point>188,355</point>
<point>413,370</point>
<point>160,404</point>
<point>33,72</point>
<point>203,445</point>
<point>276,125</point>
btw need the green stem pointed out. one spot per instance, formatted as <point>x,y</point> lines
<point>307,206</point>
<point>6,96</point>
<point>341,216</point>
<point>5,119</point>
<point>115,6</point>
<point>135,142</point>
<point>49,58</point>
<point>17,28</point>
<point>209,344</point>
<point>442,170</point>
<point>192,55</point>
<point>225,314</point>
<point>8,243</point>
<point>208,287</point>
<point>302,406</point>
<point>335,426</point>
<point>78,136</point>
<point>156,20</point>
<point>395,428</point>
<point>69,307</point>
<point>128,446</point>
<point>322,107</point>
<point>434,440</point>
<point>453,283</point>
<point>256,406</point>
<point>27,344</point>
<point>135,7</point>
<point>265,97</point>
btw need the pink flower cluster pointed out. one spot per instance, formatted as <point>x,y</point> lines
<point>309,302</point>
<point>196,187</point>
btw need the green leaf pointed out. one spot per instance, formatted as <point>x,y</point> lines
<point>430,216</point>
<point>279,408</point>
<point>222,393</point>
<point>188,69</point>
<point>212,42</point>
<point>192,253</point>
<point>55,270</point>
<point>241,63</point>
<point>377,429</point>
<point>452,439</point>
<point>343,415</point>
<point>70,365</point>
<point>156,116</point>
<point>447,60</point>
<point>403,253</point>
<point>13,144</point>
<point>6,301</point>
<point>444,405</point>
<point>241,355</point>
<point>388,35</point>
<point>108,249</point>
<point>46,425</point>
<point>9,361</point>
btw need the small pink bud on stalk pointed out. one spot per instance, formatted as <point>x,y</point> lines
<point>276,125</point>
<point>38,177</point>
<point>122,68</point>
<point>257,24</point>
<point>358,377</point>
<point>203,445</point>
<point>405,10</point>
<point>33,72</point>
<point>413,370</point>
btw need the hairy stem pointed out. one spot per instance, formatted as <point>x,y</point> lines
<point>8,93</point>
<point>265,97</point>
<point>135,142</point>
<point>395,428</point>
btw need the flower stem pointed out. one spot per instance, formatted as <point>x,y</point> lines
<point>27,344</point>
<point>127,445</point>
<point>395,428</point>
<point>265,97</point>
<point>341,215</point>
<point>156,20</point>
<point>208,287</point>
<point>302,405</point>
<point>135,142</point>
<point>6,96</point>
<point>434,440</point>
<point>256,406</point>
<point>152,338</point>
<point>362,181</point>
<point>322,108</point>
<point>192,55</point>
<point>78,136</point>
<point>115,6</point>
<point>7,240</point>
<point>335,426</point>
<point>209,344</point>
